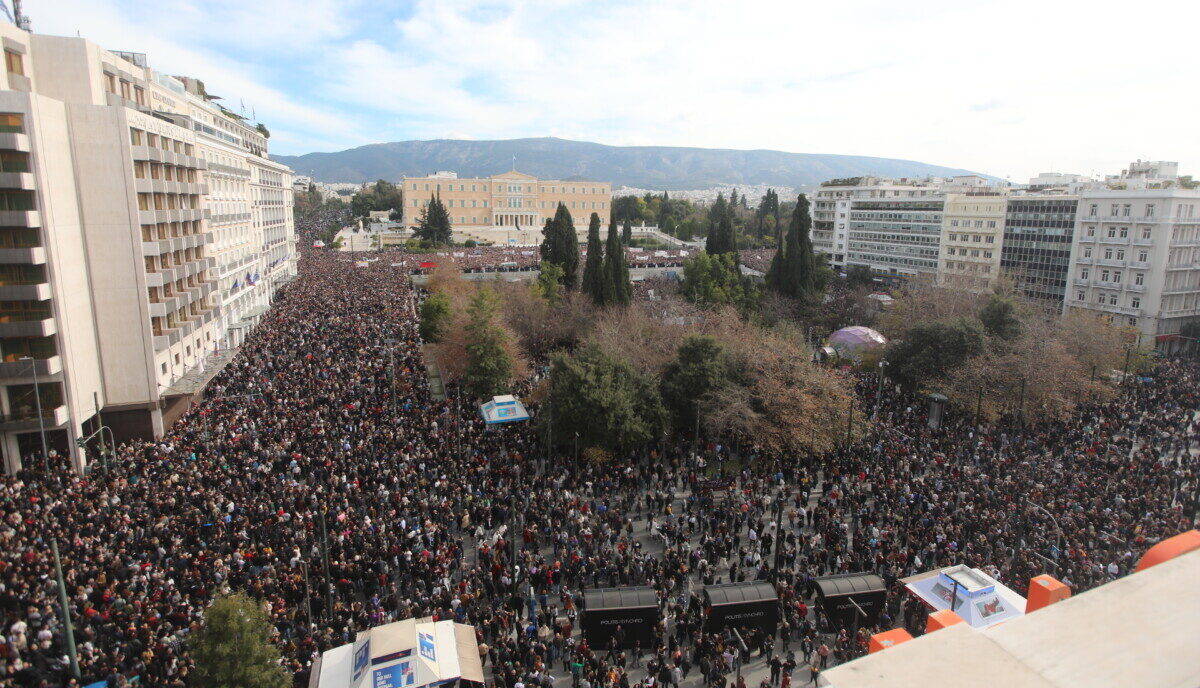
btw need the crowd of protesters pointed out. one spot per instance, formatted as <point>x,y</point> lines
<point>320,426</point>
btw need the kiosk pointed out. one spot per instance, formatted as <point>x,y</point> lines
<point>839,594</point>
<point>635,610</point>
<point>753,604</point>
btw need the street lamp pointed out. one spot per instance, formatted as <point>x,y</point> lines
<point>879,392</point>
<point>37,394</point>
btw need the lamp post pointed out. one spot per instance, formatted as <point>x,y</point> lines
<point>879,391</point>
<point>68,628</point>
<point>37,395</point>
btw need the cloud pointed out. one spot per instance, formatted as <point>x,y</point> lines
<point>996,87</point>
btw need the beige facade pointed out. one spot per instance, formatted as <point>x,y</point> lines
<point>508,200</point>
<point>109,284</point>
<point>972,236</point>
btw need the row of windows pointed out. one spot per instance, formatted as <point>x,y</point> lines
<point>969,267</point>
<point>154,170</point>
<point>1110,299</point>
<point>974,252</point>
<point>168,201</point>
<point>510,188</point>
<point>1143,255</point>
<point>976,238</point>
<point>138,137</point>
<point>990,224</point>
<point>1114,276</point>
<point>1121,210</point>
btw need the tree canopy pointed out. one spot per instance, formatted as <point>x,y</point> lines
<point>434,223</point>
<point>929,351</point>
<point>561,247</point>
<point>434,317</point>
<point>489,360</point>
<point>721,239</point>
<point>793,271</point>
<point>712,280</point>
<point>233,648</point>
<point>593,268</point>
<point>603,399</point>
<point>701,369</point>
<point>382,195</point>
<point>616,288</point>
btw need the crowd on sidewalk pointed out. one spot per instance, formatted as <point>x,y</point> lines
<point>427,514</point>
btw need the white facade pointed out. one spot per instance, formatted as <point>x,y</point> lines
<point>972,236</point>
<point>108,261</point>
<point>1136,257</point>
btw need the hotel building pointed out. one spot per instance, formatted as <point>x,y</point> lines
<point>112,286</point>
<point>509,200</point>
<point>1136,251</point>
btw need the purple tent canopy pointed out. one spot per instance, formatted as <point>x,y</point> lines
<point>854,342</point>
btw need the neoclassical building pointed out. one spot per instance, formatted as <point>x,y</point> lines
<point>510,200</point>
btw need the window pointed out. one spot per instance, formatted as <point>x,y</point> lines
<point>1079,296</point>
<point>1087,253</point>
<point>1083,274</point>
<point>1104,275</point>
<point>1149,210</point>
<point>1139,278</point>
<point>1124,232</point>
<point>1145,232</point>
<point>1091,231</point>
<point>16,200</point>
<point>1112,232</point>
<point>1135,302</point>
<point>976,238</point>
<point>1092,210</point>
<point>14,62</point>
<point>1108,254</point>
<point>14,161</point>
<point>1125,209</point>
<point>1121,254</point>
<point>1112,299</point>
<point>1143,256</point>
<point>11,123</point>
<point>953,223</point>
<point>1114,208</point>
<point>1116,278</point>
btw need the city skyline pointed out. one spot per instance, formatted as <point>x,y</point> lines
<point>946,83</point>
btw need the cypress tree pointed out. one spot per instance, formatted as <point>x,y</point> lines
<point>593,270</point>
<point>793,269</point>
<point>616,285</point>
<point>626,233</point>
<point>561,247</point>
<point>720,228</point>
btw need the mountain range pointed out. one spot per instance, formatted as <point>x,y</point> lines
<point>649,167</point>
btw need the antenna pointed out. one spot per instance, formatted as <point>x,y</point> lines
<point>19,17</point>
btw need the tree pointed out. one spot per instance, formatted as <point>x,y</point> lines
<point>603,400</point>
<point>720,233</point>
<point>930,351</point>
<point>561,247</point>
<point>668,226</point>
<point>859,276</point>
<point>434,224</point>
<point>593,270</point>
<point>489,360</point>
<point>616,288</point>
<point>626,233</point>
<point>715,280</point>
<point>700,369</point>
<point>999,318</point>
<point>233,647</point>
<point>549,283</point>
<point>435,317</point>
<point>793,272</point>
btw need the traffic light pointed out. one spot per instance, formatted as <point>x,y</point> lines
<point>81,442</point>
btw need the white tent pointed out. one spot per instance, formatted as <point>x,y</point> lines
<point>503,409</point>
<point>979,599</point>
<point>414,653</point>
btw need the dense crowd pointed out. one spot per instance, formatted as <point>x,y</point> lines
<point>521,259</point>
<point>426,514</point>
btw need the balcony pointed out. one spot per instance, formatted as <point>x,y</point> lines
<point>1084,260</point>
<point>34,255</point>
<point>28,419</point>
<point>1135,287</point>
<point>1139,264</point>
<point>14,142</point>
<point>1143,242</point>
<point>17,180</point>
<point>28,328</point>
<point>20,218</point>
<point>1111,262</point>
<point>22,370</point>
<point>34,291</point>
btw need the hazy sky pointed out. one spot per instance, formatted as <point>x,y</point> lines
<point>1007,88</point>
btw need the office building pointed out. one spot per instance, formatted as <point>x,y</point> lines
<point>507,200</point>
<point>972,235</point>
<point>1036,254</point>
<point>111,276</point>
<point>1136,254</point>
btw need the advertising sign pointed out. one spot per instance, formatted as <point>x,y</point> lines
<point>396,676</point>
